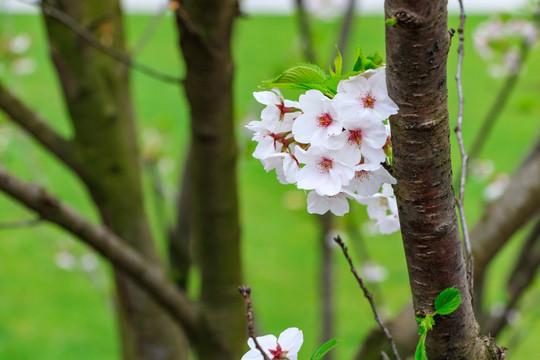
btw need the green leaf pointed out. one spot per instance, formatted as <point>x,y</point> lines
<point>448,301</point>
<point>358,64</point>
<point>420,353</point>
<point>302,74</point>
<point>338,62</point>
<point>326,347</point>
<point>391,22</point>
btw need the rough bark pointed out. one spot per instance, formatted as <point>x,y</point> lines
<point>417,47</point>
<point>205,28</point>
<point>97,95</point>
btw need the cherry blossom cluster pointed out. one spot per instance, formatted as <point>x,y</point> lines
<point>334,148</point>
<point>500,41</point>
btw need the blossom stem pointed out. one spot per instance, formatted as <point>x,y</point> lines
<point>368,296</point>
<point>246,292</point>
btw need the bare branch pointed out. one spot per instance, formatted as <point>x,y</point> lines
<point>345,31</point>
<point>246,292</point>
<point>305,31</point>
<point>20,224</point>
<point>525,270</point>
<point>149,30</point>
<point>116,54</point>
<point>149,276</point>
<point>37,127</point>
<point>460,200</point>
<point>516,206</point>
<point>368,296</point>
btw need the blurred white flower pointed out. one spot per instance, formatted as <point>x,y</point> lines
<point>373,272</point>
<point>496,188</point>
<point>89,262</point>
<point>481,169</point>
<point>23,66</point>
<point>20,44</point>
<point>65,260</point>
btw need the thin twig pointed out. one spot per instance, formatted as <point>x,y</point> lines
<point>368,296</point>
<point>149,30</point>
<point>20,223</point>
<point>246,292</point>
<point>37,128</point>
<point>464,157</point>
<point>305,31</point>
<point>345,31</point>
<point>115,54</point>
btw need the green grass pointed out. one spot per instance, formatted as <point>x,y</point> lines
<point>47,313</point>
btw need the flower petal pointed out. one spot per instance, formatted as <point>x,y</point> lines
<point>291,340</point>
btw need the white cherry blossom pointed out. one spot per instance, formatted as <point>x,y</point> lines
<point>382,207</point>
<point>326,171</point>
<point>286,347</point>
<point>365,95</point>
<point>364,137</point>
<point>285,164</point>
<point>321,204</point>
<point>277,108</point>
<point>318,121</point>
<point>369,178</point>
<point>270,136</point>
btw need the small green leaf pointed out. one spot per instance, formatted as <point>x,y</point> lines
<point>338,62</point>
<point>326,347</point>
<point>358,64</point>
<point>448,301</point>
<point>420,353</point>
<point>300,74</point>
<point>391,22</point>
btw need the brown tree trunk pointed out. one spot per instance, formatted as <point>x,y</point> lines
<point>205,28</point>
<point>417,47</point>
<point>97,95</point>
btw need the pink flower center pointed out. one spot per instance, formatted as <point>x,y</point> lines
<point>368,101</point>
<point>278,353</point>
<point>325,120</point>
<point>362,175</point>
<point>355,137</point>
<point>325,165</point>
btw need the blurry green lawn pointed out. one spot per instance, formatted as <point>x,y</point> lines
<point>48,313</point>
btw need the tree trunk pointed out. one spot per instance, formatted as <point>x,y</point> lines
<point>417,47</point>
<point>205,28</point>
<point>97,94</point>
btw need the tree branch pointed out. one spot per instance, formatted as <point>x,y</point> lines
<point>116,54</point>
<point>368,296</point>
<point>305,31</point>
<point>518,204</point>
<point>525,270</point>
<point>147,275</point>
<point>463,175</point>
<point>246,292</point>
<point>37,127</point>
<point>20,224</point>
